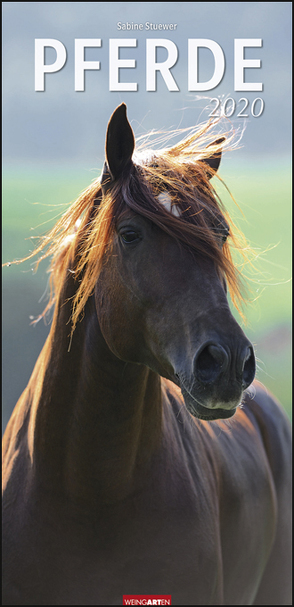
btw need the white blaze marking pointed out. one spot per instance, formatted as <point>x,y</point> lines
<point>165,199</point>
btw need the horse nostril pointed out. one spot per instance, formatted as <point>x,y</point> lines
<point>248,371</point>
<point>213,360</point>
<point>210,362</point>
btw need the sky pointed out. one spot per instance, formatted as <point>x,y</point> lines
<point>62,124</point>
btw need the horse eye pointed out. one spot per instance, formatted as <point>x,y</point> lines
<point>129,237</point>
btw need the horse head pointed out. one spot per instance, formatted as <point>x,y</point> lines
<point>160,303</point>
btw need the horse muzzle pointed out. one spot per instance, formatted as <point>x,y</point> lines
<point>220,376</point>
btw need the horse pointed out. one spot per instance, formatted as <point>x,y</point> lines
<point>143,457</point>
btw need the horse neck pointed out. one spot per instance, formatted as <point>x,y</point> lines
<point>96,420</point>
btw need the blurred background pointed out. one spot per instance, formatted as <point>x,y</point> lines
<point>53,147</point>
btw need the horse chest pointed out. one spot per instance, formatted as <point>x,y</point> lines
<point>142,547</point>
<point>165,539</point>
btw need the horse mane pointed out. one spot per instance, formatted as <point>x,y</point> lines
<point>83,235</point>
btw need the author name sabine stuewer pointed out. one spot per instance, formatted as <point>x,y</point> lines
<point>148,26</point>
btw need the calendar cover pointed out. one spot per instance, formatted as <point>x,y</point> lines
<point>67,66</point>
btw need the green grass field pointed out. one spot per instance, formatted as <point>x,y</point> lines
<point>34,200</point>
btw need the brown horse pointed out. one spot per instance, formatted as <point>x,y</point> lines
<point>121,472</point>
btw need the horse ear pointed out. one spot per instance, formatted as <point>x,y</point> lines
<point>120,142</point>
<point>214,161</point>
